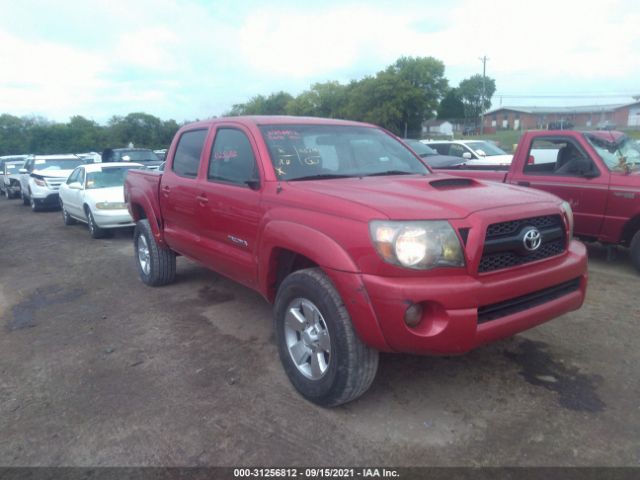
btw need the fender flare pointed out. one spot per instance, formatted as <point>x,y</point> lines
<point>336,263</point>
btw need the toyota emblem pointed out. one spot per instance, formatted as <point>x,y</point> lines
<point>532,239</point>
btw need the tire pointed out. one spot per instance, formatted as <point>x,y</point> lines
<point>156,264</point>
<point>66,218</point>
<point>634,250</point>
<point>94,230</point>
<point>343,372</point>
<point>34,205</point>
<point>25,199</point>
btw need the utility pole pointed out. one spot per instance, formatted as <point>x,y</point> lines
<point>484,76</point>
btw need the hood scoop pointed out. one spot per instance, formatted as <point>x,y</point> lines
<point>447,183</point>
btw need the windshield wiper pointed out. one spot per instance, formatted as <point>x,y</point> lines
<point>321,176</point>
<point>389,172</point>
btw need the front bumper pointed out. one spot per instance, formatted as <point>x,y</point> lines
<point>50,200</point>
<point>450,303</point>
<point>112,218</point>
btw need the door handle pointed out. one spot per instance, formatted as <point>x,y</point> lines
<point>524,184</point>
<point>202,199</point>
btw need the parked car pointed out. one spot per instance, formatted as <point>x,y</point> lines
<point>41,177</point>
<point>11,158</point>
<point>93,194</point>
<point>143,156</point>
<point>431,156</point>
<point>10,179</point>
<point>474,152</point>
<point>360,247</point>
<point>597,172</point>
<point>162,153</point>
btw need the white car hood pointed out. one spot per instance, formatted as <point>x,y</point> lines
<point>111,194</point>
<point>52,173</point>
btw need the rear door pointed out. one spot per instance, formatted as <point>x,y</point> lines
<point>560,165</point>
<point>179,192</point>
<point>230,204</point>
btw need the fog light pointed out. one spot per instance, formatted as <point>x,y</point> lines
<point>413,315</point>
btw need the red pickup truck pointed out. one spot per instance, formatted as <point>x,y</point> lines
<point>360,247</point>
<point>597,172</point>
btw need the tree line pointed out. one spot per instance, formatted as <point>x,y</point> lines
<point>38,135</point>
<point>399,98</point>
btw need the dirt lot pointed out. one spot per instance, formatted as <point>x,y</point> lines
<point>98,369</point>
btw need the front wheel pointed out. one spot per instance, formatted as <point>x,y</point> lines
<point>66,218</point>
<point>319,349</point>
<point>34,205</point>
<point>634,249</point>
<point>156,264</point>
<point>94,230</point>
<point>25,199</point>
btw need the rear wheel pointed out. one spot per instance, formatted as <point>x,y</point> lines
<point>634,249</point>
<point>319,349</point>
<point>156,264</point>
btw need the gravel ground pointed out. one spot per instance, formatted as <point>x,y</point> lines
<point>98,369</point>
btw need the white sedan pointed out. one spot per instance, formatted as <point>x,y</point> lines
<point>94,194</point>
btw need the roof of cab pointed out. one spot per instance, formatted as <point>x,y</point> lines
<point>259,120</point>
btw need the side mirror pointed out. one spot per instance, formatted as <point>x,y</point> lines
<point>466,155</point>
<point>75,186</point>
<point>481,153</point>
<point>23,170</point>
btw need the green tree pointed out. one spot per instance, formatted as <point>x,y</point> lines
<point>451,106</point>
<point>471,93</point>
<point>274,104</point>
<point>14,135</point>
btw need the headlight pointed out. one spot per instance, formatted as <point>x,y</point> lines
<point>418,245</point>
<point>568,213</point>
<point>111,205</point>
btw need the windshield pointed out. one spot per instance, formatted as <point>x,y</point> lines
<point>135,156</point>
<point>13,167</point>
<point>620,155</point>
<point>332,151</point>
<point>488,148</point>
<point>107,177</point>
<point>57,164</point>
<point>420,148</point>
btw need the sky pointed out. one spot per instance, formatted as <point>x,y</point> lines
<point>184,59</point>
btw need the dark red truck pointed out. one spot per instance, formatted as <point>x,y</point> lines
<point>597,172</point>
<point>360,247</point>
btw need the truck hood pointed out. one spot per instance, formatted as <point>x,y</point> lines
<point>415,197</point>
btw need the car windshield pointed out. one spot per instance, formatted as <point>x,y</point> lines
<point>107,177</point>
<point>621,154</point>
<point>57,164</point>
<point>488,148</point>
<point>305,152</point>
<point>420,148</point>
<point>135,156</point>
<point>14,166</point>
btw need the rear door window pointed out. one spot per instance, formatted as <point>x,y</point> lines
<point>186,160</point>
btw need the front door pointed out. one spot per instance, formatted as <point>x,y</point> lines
<point>231,208</point>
